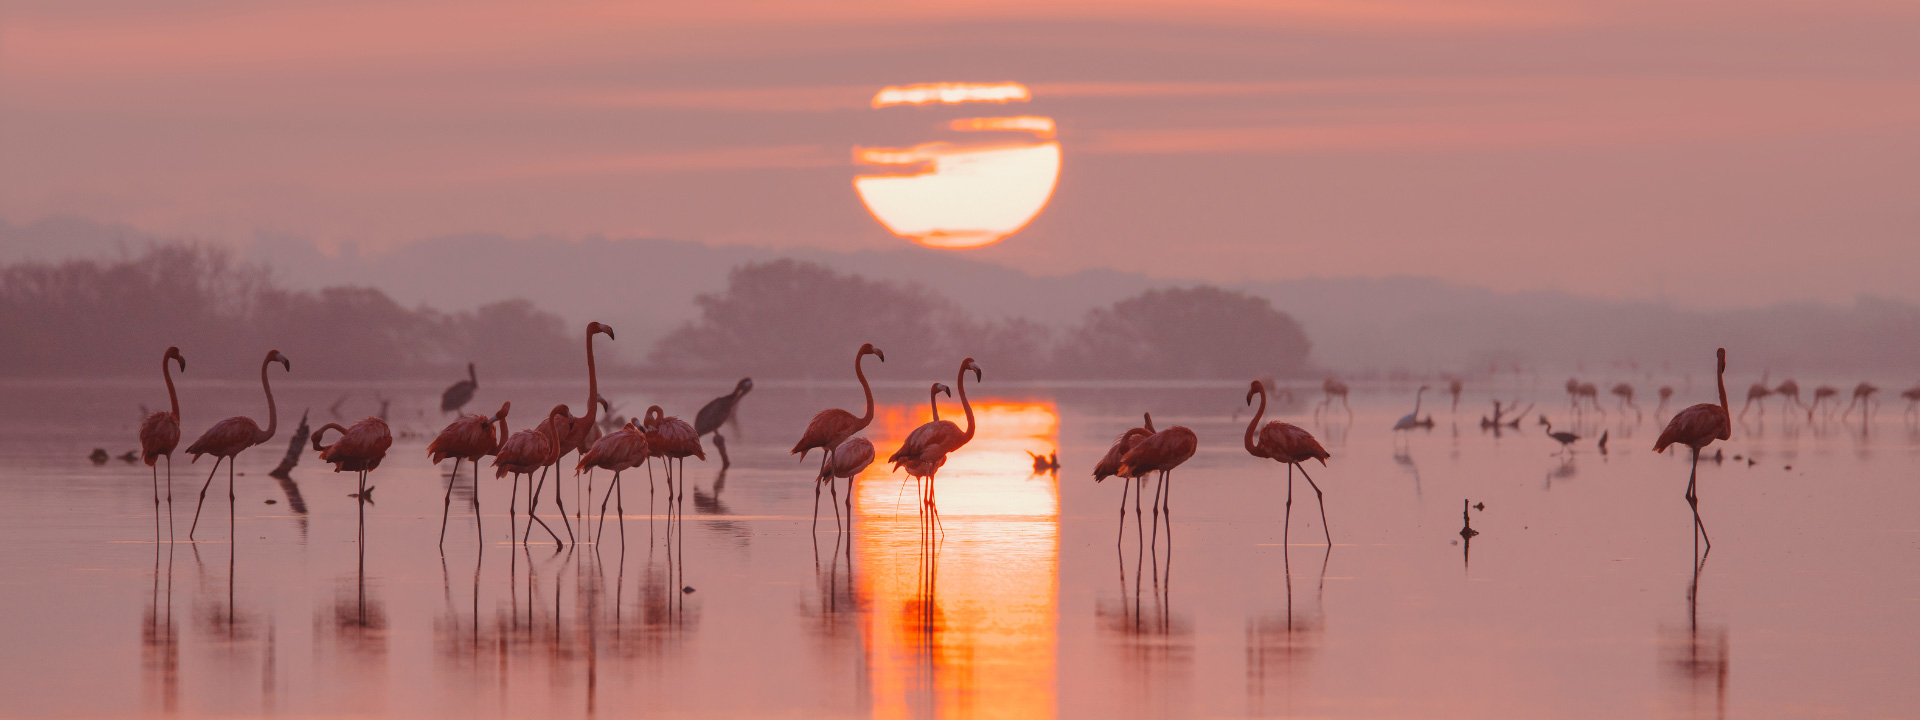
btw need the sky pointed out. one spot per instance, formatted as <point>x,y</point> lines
<point>1714,153</point>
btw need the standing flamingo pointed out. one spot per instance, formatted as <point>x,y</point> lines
<point>829,428</point>
<point>927,447</point>
<point>1757,392</point>
<point>1454,386</point>
<point>1160,452</point>
<point>1591,393</point>
<point>360,449</point>
<point>1697,427</point>
<point>1566,439</point>
<point>852,458</point>
<point>469,438</point>
<point>1573,394</point>
<point>1289,445</point>
<point>1624,392</point>
<point>617,451</point>
<point>1666,394</point>
<point>521,454</point>
<point>1820,395</point>
<point>1333,389</point>
<point>1109,465</point>
<point>672,439</point>
<point>159,434</point>
<point>1789,391</point>
<point>459,394</point>
<point>572,434</point>
<point>228,437</point>
<point>1862,396</point>
<point>1912,395</point>
<point>718,412</point>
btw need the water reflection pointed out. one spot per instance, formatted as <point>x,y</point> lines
<point>1282,645</point>
<point>160,638</point>
<point>1697,657</point>
<point>948,617</point>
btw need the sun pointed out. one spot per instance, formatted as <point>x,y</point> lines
<point>962,195</point>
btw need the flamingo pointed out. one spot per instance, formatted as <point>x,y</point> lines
<point>1454,386</point>
<point>459,394</point>
<point>521,454</point>
<point>829,428</point>
<point>1624,392</point>
<point>1591,393</point>
<point>1666,393</point>
<point>159,434</point>
<point>469,438</point>
<point>1863,396</point>
<point>1410,420</point>
<point>360,449</point>
<point>1333,388</point>
<point>927,447</point>
<point>228,437</point>
<point>852,458</point>
<point>1790,390</point>
<point>1290,445</point>
<point>1912,395</point>
<point>1697,427</point>
<point>572,434</point>
<point>1820,395</point>
<point>1109,464</point>
<point>1573,394</point>
<point>617,451</point>
<point>718,412</point>
<point>1160,452</point>
<point>1757,392</point>
<point>1566,439</point>
<point>671,439</point>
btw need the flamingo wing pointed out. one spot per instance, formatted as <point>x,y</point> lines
<point>926,442</point>
<point>1164,450</point>
<point>852,457</point>
<point>159,435</point>
<point>1109,464</point>
<point>470,437</point>
<point>673,437</point>
<point>226,438</point>
<point>524,451</point>
<point>827,430</point>
<point>1695,427</point>
<point>1291,443</point>
<point>616,451</point>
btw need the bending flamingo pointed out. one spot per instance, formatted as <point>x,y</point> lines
<point>1757,392</point>
<point>1290,445</point>
<point>672,439</point>
<point>927,447</point>
<point>616,451</point>
<point>1820,395</point>
<point>718,412</point>
<point>1697,427</point>
<point>159,434</point>
<point>521,454</point>
<point>1333,389</point>
<point>1862,396</point>
<point>469,438</point>
<point>359,449</point>
<point>573,433</point>
<point>230,436</point>
<point>829,428</point>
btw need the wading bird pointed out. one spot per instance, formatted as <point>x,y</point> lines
<point>616,451</point>
<point>1666,394</point>
<point>851,459</point>
<point>1862,396</point>
<point>1160,452</point>
<point>1591,393</point>
<point>1820,395</point>
<point>469,438</point>
<point>1333,389</point>
<point>572,434</point>
<point>521,454</point>
<point>1411,420</point>
<point>1109,465</point>
<point>1566,439</point>
<point>927,447</point>
<point>1289,445</point>
<point>1757,392</point>
<point>359,449</point>
<point>1624,392</point>
<point>159,434</point>
<point>1912,395</point>
<point>228,437</point>
<point>1454,386</point>
<point>1697,427</point>
<point>1790,392</point>
<point>718,412</point>
<point>829,428</point>
<point>457,395</point>
<point>671,439</point>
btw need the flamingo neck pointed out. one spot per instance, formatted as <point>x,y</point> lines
<point>1251,447</point>
<point>933,400</point>
<point>501,441</point>
<point>167,372</point>
<point>1416,405</point>
<point>1721,378</point>
<point>865,388</point>
<point>471,377</point>
<point>967,406</point>
<point>273,413</point>
<point>593,387</point>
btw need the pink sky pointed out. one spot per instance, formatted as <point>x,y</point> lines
<point>1714,152</point>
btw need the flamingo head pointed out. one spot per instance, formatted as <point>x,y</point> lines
<point>869,349</point>
<point>604,405</point>
<point>502,415</point>
<point>1722,355</point>
<point>942,388</point>
<point>1257,388</point>
<point>969,364</point>
<point>654,415</point>
<point>173,353</point>
<point>1148,417</point>
<point>742,387</point>
<point>596,327</point>
<point>273,356</point>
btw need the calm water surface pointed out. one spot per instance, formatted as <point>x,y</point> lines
<point>1580,597</point>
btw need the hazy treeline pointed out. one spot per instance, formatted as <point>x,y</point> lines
<point>799,319</point>
<point>783,318</point>
<point>114,317</point>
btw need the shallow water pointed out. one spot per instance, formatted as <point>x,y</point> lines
<point>1580,597</point>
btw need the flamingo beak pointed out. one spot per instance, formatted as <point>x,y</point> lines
<point>878,354</point>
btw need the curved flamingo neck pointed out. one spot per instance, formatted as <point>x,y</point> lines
<point>1721,378</point>
<point>593,387</point>
<point>1416,404</point>
<point>501,441</point>
<point>273,413</point>
<point>1251,425</point>
<point>933,400</point>
<point>166,371</point>
<point>865,388</point>
<point>967,406</point>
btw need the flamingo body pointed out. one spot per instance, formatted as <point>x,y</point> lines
<point>1162,451</point>
<point>852,458</point>
<point>159,435</point>
<point>829,428</point>
<point>227,438</point>
<point>616,451</point>
<point>672,437</point>
<point>359,449</point>
<point>470,437</point>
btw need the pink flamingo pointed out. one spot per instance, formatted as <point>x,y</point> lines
<point>227,438</point>
<point>1109,466</point>
<point>1862,396</point>
<point>672,439</point>
<point>829,428</point>
<point>572,434</point>
<point>159,434</point>
<point>620,450</point>
<point>927,447</point>
<point>1160,452</point>
<point>469,438</point>
<point>850,459</point>
<point>1289,445</point>
<point>1697,427</point>
<point>521,454</point>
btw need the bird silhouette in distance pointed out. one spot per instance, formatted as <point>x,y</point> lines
<point>1697,427</point>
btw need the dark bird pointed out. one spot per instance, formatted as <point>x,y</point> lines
<point>1602,444</point>
<point>1696,427</point>
<point>459,394</point>
<point>1566,439</point>
<point>718,412</point>
<point>1044,463</point>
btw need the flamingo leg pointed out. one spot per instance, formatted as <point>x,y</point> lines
<point>203,496</point>
<point>816,504</point>
<point>620,506</point>
<point>169,497</point>
<point>446,505</point>
<point>603,503</point>
<point>513,501</point>
<point>479,532</point>
<point>559,499</point>
<point>1286,526</point>
<point>1322,499</point>
<point>1693,499</point>
<point>1156,511</point>
<point>156,504</point>
<point>235,539</point>
<point>533,501</point>
<point>1123,520</point>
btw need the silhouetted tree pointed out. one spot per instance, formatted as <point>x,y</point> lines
<point>1198,332</point>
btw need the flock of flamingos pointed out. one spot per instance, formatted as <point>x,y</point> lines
<point>1137,453</point>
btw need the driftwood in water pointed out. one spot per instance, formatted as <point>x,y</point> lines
<point>293,452</point>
